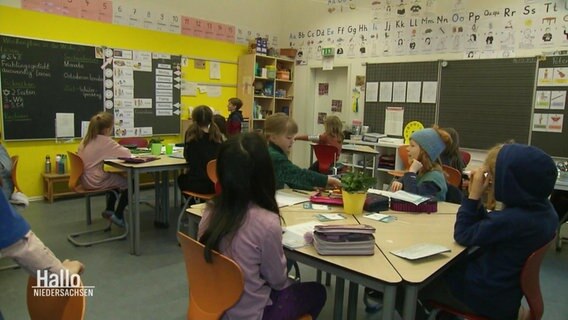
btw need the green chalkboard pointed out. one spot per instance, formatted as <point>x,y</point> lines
<point>42,78</point>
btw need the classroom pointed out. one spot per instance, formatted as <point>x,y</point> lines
<point>493,70</point>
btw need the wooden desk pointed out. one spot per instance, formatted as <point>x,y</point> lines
<point>49,182</point>
<point>162,167</point>
<point>414,228</point>
<point>371,271</point>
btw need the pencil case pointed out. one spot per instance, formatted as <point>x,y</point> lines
<point>429,206</point>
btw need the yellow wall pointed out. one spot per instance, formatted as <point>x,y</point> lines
<point>37,25</point>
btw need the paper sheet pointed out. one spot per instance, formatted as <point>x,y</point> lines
<point>399,92</point>
<point>394,118</point>
<point>293,236</point>
<point>385,93</point>
<point>420,250</point>
<point>64,125</point>
<point>288,199</point>
<point>413,91</point>
<point>429,91</point>
<point>372,92</point>
<point>214,70</point>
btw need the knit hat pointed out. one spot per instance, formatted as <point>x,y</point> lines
<point>430,141</point>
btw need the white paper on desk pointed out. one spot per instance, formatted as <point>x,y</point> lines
<point>376,216</point>
<point>287,199</point>
<point>401,195</point>
<point>332,216</point>
<point>293,236</point>
<point>420,250</point>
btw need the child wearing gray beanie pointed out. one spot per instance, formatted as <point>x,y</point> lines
<point>425,175</point>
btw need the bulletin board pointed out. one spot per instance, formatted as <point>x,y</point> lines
<point>375,111</point>
<point>549,128</point>
<point>487,101</point>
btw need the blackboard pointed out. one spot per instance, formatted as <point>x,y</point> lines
<point>42,78</point>
<point>554,143</point>
<point>487,101</point>
<point>375,112</point>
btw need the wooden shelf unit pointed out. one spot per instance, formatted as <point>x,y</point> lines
<point>272,94</point>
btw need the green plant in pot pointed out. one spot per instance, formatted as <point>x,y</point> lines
<point>354,187</point>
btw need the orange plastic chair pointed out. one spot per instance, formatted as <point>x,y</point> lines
<point>15,160</point>
<point>326,155</point>
<point>530,285</point>
<point>466,157</point>
<point>54,307</point>
<point>75,173</point>
<point>453,176</point>
<point>214,287</point>
<point>212,174</point>
<point>139,142</point>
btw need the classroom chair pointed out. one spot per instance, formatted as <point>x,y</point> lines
<point>453,176</point>
<point>326,156</point>
<point>530,285</point>
<point>190,195</point>
<point>54,307</point>
<point>213,287</point>
<point>75,172</point>
<point>403,154</point>
<point>466,157</point>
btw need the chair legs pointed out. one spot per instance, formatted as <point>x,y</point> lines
<point>73,237</point>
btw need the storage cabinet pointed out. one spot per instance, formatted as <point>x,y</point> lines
<point>265,85</point>
<point>379,170</point>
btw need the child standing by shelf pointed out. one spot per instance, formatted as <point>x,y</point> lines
<point>235,117</point>
<point>243,223</point>
<point>425,175</point>
<point>96,146</point>
<point>280,130</point>
<point>332,135</point>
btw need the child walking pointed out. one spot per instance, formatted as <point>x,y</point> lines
<point>235,117</point>
<point>243,223</point>
<point>96,146</point>
<point>280,130</point>
<point>202,141</point>
<point>425,175</point>
<point>523,177</point>
<point>332,135</point>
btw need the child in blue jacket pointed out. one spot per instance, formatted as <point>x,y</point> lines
<point>487,282</point>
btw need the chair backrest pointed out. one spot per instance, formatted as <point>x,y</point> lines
<point>530,282</point>
<point>212,170</point>
<point>466,157</point>
<point>139,142</point>
<point>15,160</point>
<point>76,170</point>
<point>54,307</point>
<point>326,155</point>
<point>453,176</point>
<point>214,287</point>
<point>403,154</point>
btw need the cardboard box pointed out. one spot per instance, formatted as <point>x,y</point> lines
<point>288,52</point>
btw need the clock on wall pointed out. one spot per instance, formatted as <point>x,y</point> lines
<point>410,128</point>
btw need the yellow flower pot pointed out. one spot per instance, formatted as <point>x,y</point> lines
<point>353,203</point>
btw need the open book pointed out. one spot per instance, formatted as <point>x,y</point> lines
<point>401,195</point>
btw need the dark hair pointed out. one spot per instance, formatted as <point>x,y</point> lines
<point>236,102</point>
<point>221,123</point>
<point>202,116</point>
<point>246,175</point>
<point>452,152</point>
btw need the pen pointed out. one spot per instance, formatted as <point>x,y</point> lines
<point>302,191</point>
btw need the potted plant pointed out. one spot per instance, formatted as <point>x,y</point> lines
<point>354,187</point>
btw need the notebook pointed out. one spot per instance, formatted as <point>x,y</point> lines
<point>420,250</point>
<point>138,159</point>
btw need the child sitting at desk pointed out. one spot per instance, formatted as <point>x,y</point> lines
<point>451,156</point>
<point>333,136</point>
<point>243,223</point>
<point>202,141</point>
<point>96,146</point>
<point>280,130</point>
<point>425,175</point>
<point>487,282</point>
